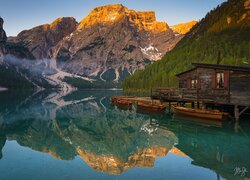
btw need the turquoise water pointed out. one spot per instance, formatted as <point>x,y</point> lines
<point>80,136</point>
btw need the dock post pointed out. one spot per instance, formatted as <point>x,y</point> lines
<point>236,113</point>
<point>198,105</point>
<point>169,106</point>
<point>236,127</point>
<point>204,105</point>
<point>192,104</point>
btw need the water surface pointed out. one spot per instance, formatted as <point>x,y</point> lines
<point>80,136</point>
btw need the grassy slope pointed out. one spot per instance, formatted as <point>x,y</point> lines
<point>201,44</point>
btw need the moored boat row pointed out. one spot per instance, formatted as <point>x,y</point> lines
<point>158,107</point>
<point>140,103</point>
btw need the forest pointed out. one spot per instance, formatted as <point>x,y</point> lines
<point>224,30</point>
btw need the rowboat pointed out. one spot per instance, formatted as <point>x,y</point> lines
<point>197,120</point>
<point>115,99</point>
<point>123,104</point>
<point>151,107</point>
<point>200,113</point>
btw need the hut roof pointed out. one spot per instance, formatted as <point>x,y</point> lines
<point>216,66</point>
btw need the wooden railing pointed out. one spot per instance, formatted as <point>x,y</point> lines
<point>165,93</point>
<point>183,94</point>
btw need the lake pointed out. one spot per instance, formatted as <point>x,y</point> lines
<point>47,135</point>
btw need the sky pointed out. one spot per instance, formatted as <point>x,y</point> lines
<point>20,15</point>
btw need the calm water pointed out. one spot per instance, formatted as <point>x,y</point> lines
<point>80,136</point>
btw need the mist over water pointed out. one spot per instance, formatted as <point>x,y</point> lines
<point>43,69</point>
<point>35,67</point>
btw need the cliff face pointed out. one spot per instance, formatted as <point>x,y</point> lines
<point>115,13</point>
<point>3,37</point>
<point>11,48</point>
<point>41,39</point>
<point>183,28</point>
<point>112,41</point>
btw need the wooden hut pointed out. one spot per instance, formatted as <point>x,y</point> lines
<point>211,84</point>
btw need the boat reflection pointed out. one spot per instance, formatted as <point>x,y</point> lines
<point>200,121</point>
<point>218,148</point>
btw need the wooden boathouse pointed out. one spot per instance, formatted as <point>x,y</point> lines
<point>211,84</point>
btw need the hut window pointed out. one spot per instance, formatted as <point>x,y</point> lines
<point>194,83</point>
<point>220,80</point>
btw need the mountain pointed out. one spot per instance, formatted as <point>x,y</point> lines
<point>224,30</point>
<point>109,44</point>
<point>113,42</point>
<point>183,28</point>
<point>3,37</point>
<point>39,40</point>
<point>15,49</point>
<point>11,76</point>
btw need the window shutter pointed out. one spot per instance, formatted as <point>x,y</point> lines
<point>226,79</point>
<point>213,80</point>
<point>189,83</point>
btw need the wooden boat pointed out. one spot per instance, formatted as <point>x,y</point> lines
<point>113,100</point>
<point>123,104</point>
<point>197,120</point>
<point>207,114</point>
<point>151,107</point>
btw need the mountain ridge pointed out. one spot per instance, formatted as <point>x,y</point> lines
<point>112,42</point>
<point>109,44</point>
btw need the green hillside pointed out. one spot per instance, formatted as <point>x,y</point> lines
<point>224,30</point>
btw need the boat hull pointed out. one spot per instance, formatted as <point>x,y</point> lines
<point>151,108</point>
<point>200,113</point>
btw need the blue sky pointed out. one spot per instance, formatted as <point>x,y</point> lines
<point>25,14</point>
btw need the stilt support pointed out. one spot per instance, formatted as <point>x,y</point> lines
<point>198,105</point>
<point>236,113</point>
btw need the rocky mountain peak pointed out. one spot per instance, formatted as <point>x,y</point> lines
<point>39,40</point>
<point>1,23</point>
<point>103,14</point>
<point>69,22</point>
<point>111,8</point>
<point>3,37</point>
<point>112,42</point>
<point>109,14</point>
<point>183,28</point>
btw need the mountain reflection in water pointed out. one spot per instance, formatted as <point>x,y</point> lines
<point>108,139</point>
<point>112,140</point>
